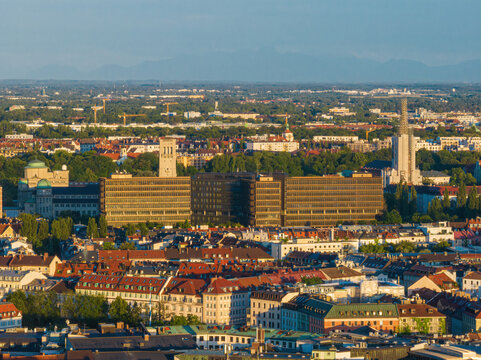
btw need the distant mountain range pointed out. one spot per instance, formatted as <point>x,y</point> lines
<point>270,66</point>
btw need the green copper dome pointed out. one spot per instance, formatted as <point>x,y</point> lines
<point>36,164</point>
<point>43,184</point>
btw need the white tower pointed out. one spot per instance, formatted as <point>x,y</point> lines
<point>167,158</point>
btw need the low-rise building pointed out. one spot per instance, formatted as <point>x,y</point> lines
<point>472,283</point>
<point>10,316</point>
<point>421,319</point>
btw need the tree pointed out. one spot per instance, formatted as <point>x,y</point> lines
<point>472,201</point>
<point>92,229</point>
<point>144,230</point>
<point>461,202</point>
<point>120,310</point>
<point>127,245</point>
<point>435,210</point>
<point>184,321</point>
<point>131,229</point>
<point>446,200</point>
<point>393,217</point>
<point>43,229</point>
<point>108,245</point>
<point>29,228</point>
<point>86,310</point>
<point>413,202</point>
<point>62,228</point>
<point>441,246</point>
<point>103,230</point>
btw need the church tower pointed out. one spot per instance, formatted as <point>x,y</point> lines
<point>403,154</point>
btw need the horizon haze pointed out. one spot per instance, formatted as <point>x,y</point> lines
<point>267,41</point>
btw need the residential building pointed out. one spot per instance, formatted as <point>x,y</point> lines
<point>420,318</point>
<point>45,264</point>
<point>280,249</point>
<point>10,316</point>
<point>143,291</point>
<point>266,307</point>
<point>225,302</point>
<point>183,297</point>
<point>472,283</point>
<point>13,280</point>
<point>322,316</point>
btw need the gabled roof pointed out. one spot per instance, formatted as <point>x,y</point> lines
<point>8,310</point>
<point>418,310</point>
<point>182,286</point>
<point>31,260</point>
<point>474,275</point>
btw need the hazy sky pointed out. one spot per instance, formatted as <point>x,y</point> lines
<point>90,33</point>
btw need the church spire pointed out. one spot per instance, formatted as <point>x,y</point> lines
<point>403,124</point>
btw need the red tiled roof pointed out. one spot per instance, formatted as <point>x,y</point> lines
<point>8,310</point>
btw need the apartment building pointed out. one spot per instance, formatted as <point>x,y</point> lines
<point>266,308</point>
<point>225,302</point>
<point>143,291</point>
<point>421,319</point>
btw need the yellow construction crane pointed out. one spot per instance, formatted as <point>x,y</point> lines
<point>95,109</point>
<point>104,100</point>
<point>125,116</point>
<point>368,132</point>
<point>169,103</point>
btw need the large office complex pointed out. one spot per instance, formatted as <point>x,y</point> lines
<point>279,200</point>
<point>329,200</point>
<point>244,198</point>
<point>125,199</point>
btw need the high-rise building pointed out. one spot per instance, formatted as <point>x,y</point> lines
<point>279,200</point>
<point>322,201</point>
<point>244,198</point>
<point>125,199</point>
<point>403,167</point>
<point>167,158</point>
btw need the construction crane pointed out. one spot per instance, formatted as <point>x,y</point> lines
<point>104,100</point>
<point>125,116</point>
<point>95,109</point>
<point>368,131</point>
<point>169,103</point>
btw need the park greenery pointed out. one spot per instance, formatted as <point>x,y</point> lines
<point>401,247</point>
<point>49,309</point>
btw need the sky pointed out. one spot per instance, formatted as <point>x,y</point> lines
<point>87,34</point>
